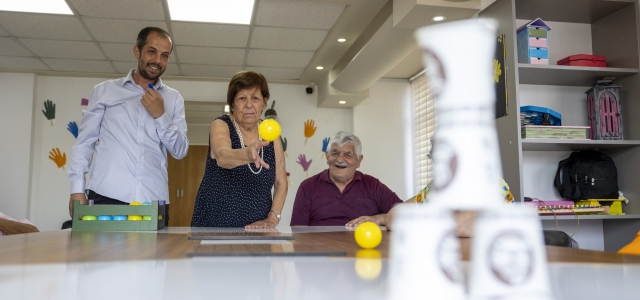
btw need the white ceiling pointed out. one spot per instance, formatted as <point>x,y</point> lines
<point>281,41</point>
<point>285,41</point>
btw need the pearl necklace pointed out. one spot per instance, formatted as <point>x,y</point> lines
<point>242,145</point>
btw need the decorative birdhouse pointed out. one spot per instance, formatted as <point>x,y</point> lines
<point>533,43</point>
<point>605,120</point>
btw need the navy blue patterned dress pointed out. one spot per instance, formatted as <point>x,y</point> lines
<point>234,197</point>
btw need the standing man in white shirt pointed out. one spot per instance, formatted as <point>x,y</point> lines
<point>130,124</point>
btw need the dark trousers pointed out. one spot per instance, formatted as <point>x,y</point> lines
<point>99,199</point>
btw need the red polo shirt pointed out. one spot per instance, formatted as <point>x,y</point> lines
<point>320,203</point>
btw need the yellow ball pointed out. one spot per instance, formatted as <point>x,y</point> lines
<point>368,235</point>
<point>134,218</point>
<point>135,203</point>
<point>269,130</point>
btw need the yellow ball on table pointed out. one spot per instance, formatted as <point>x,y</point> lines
<point>368,235</point>
<point>269,130</point>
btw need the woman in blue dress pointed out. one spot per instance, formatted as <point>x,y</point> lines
<point>241,168</point>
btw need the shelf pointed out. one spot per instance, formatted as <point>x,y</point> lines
<point>570,11</point>
<point>591,217</point>
<point>568,75</point>
<point>574,145</point>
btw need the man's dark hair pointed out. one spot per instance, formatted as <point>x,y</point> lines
<point>144,33</point>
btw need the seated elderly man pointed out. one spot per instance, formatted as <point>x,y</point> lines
<point>341,195</point>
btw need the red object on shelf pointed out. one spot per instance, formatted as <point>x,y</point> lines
<point>584,60</point>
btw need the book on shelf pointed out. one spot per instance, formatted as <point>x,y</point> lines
<point>555,132</point>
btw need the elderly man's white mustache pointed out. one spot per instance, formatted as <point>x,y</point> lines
<point>340,164</point>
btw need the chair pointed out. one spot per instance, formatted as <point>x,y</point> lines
<point>559,238</point>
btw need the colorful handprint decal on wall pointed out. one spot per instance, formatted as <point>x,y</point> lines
<point>325,144</point>
<point>59,158</point>
<point>302,160</point>
<point>309,129</point>
<point>49,111</point>
<point>73,128</point>
<point>284,145</point>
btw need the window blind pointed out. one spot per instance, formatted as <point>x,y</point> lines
<point>424,118</point>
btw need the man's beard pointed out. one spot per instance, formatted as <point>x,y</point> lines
<point>143,71</point>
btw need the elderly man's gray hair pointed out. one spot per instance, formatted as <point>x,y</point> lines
<point>341,138</point>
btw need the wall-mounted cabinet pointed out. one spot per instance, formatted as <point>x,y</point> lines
<point>598,27</point>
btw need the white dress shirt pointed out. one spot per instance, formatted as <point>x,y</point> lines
<point>130,146</point>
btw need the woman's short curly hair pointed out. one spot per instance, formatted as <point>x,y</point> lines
<point>243,80</point>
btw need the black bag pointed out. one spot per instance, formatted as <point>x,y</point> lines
<point>587,175</point>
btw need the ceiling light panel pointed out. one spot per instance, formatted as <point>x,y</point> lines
<point>297,14</point>
<point>120,9</point>
<point>37,6</point>
<point>211,11</point>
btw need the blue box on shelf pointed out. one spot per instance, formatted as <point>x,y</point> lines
<point>537,115</point>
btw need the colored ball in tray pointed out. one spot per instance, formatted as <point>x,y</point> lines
<point>134,218</point>
<point>119,218</point>
<point>88,218</point>
<point>105,218</point>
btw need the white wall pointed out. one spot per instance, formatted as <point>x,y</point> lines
<point>383,124</point>
<point>16,113</point>
<point>50,186</point>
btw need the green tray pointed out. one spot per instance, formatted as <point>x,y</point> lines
<point>153,210</point>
